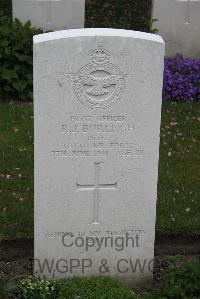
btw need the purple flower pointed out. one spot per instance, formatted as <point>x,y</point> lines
<point>181,79</point>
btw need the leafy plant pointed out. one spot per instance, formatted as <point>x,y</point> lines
<point>35,288</point>
<point>93,288</point>
<point>175,259</point>
<point>3,290</point>
<point>2,268</point>
<point>72,288</point>
<point>16,62</point>
<point>153,30</point>
<point>126,14</point>
<point>7,288</point>
<point>6,7</point>
<point>183,282</point>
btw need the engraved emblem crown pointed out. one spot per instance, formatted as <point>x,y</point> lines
<point>99,84</point>
<point>100,55</point>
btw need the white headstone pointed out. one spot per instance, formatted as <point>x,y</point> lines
<point>51,15</point>
<point>179,25</point>
<point>97,101</point>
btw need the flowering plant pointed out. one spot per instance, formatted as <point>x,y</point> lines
<point>181,79</point>
<point>36,288</point>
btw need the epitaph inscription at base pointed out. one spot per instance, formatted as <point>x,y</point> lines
<point>97,102</point>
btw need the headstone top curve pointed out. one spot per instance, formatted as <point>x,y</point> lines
<point>97,111</point>
<point>96,32</point>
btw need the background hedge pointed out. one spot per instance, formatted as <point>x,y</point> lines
<point>16,39</point>
<point>125,14</point>
<point>6,7</point>
<point>16,60</point>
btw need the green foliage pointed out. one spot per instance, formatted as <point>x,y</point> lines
<point>174,259</point>
<point>36,288</point>
<point>16,62</point>
<point>126,14</point>
<point>6,7</point>
<point>3,290</point>
<point>183,282</point>
<point>84,288</point>
<point>93,288</point>
<point>151,25</point>
<point>7,288</point>
<point>2,268</point>
<point>16,79</point>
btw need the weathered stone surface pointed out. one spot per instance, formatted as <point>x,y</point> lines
<point>97,101</point>
<point>179,25</point>
<point>51,14</point>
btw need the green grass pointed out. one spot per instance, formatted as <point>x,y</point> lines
<point>178,208</point>
<point>16,171</point>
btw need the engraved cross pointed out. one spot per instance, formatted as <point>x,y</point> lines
<point>96,187</point>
